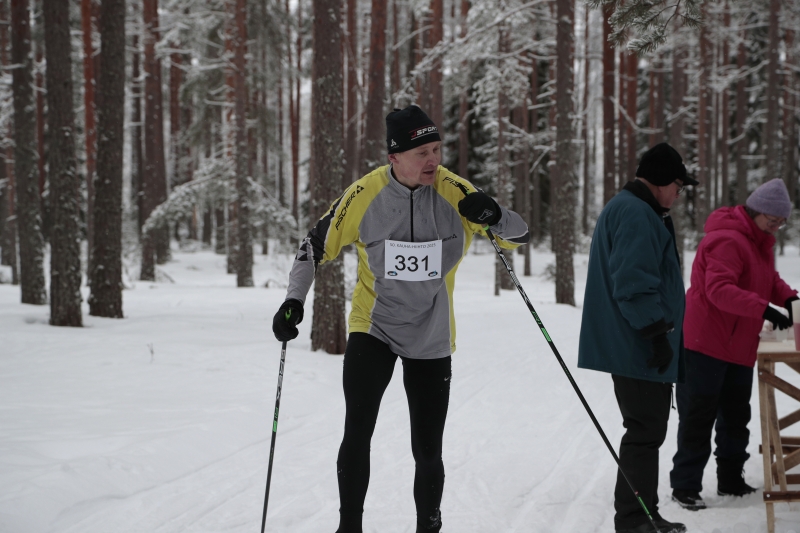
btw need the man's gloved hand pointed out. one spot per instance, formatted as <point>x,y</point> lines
<point>662,353</point>
<point>284,325</point>
<point>778,319</point>
<point>788,306</point>
<point>480,208</point>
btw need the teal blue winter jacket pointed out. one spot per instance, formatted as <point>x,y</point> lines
<point>634,289</point>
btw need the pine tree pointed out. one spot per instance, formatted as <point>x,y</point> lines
<point>374,129</point>
<point>31,242</point>
<point>106,271</point>
<point>564,186</point>
<point>65,259</point>
<point>328,328</point>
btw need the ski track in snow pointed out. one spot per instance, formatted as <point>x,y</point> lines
<point>97,434</point>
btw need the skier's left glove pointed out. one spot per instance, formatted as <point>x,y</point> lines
<point>480,208</point>
<point>788,306</point>
<point>284,325</point>
<point>662,353</point>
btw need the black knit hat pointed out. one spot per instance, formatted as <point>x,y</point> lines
<point>661,165</point>
<point>408,128</point>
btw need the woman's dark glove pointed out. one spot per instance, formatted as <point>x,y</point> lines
<point>778,319</point>
<point>662,353</point>
<point>284,325</point>
<point>788,306</point>
<point>480,208</point>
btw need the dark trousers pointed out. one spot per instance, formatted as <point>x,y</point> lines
<point>715,391</point>
<point>368,367</point>
<point>645,410</point>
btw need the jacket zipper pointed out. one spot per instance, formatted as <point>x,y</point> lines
<point>411,197</point>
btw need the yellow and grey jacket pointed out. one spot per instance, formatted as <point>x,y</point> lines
<point>415,318</point>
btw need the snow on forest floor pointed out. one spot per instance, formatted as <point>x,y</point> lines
<point>161,422</point>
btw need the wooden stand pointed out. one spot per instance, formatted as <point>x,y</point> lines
<point>785,450</point>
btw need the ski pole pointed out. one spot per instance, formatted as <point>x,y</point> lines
<point>274,430</point>
<point>567,372</point>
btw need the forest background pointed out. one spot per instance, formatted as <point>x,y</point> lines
<point>131,127</point>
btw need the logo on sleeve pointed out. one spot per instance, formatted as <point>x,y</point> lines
<point>350,198</point>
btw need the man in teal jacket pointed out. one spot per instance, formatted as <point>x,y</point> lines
<point>632,323</point>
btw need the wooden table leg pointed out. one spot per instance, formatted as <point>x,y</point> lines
<point>766,447</point>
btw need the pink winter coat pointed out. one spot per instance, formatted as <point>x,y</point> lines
<point>733,279</point>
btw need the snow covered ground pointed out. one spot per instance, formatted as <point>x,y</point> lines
<point>161,422</point>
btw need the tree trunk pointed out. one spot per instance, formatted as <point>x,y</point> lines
<point>294,113</point>
<point>536,195</point>
<point>394,75</point>
<point>522,185</point>
<point>632,109</point>
<point>741,116</point>
<point>351,147</point>
<point>703,198</point>
<point>725,116</point>
<point>501,278</point>
<point>563,189</point>
<point>435,73</point>
<point>40,118</point>
<point>155,245</point>
<point>175,145</point>
<point>585,127</point>
<point>65,257</point>
<point>90,133</point>
<point>609,148</point>
<point>656,91</point>
<point>8,238</point>
<point>790,121</point>
<point>328,328</point>
<point>771,141</point>
<point>244,256</point>
<point>463,108</point>
<point>106,297</point>
<point>136,134</point>
<point>622,128</point>
<point>31,242</point>
<point>375,128</point>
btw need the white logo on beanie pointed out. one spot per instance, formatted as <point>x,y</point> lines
<point>393,143</point>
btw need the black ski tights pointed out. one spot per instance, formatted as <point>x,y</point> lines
<point>368,367</point>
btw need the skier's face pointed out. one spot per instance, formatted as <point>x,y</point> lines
<point>417,166</point>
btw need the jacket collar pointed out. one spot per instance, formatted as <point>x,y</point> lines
<point>640,190</point>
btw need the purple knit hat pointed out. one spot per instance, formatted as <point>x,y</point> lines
<point>771,198</point>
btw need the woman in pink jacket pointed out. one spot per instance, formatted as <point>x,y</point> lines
<point>733,283</point>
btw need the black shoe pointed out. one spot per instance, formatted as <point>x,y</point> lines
<point>688,499</point>
<point>739,489</point>
<point>663,527</point>
<point>670,527</point>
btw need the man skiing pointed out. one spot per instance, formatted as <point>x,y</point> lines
<point>412,222</point>
<point>632,324</point>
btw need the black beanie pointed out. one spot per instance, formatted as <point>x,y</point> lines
<point>661,165</point>
<point>408,128</point>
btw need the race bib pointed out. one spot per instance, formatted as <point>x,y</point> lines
<point>413,261</point>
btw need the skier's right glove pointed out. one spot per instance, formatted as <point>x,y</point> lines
<point>284,325</point>
<point>778,319</point>
<point>662,353</point>
<point>480,208</point>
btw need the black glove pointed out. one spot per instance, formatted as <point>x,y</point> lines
<point>284,325</point>
<point>662,353</point>
<point>778,319</point>
<point>788,306</point>
<point>480,208</point>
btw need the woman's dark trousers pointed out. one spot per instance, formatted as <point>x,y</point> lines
<point>368,367</point>
<point>645,410</point>
<point>715,391</point>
